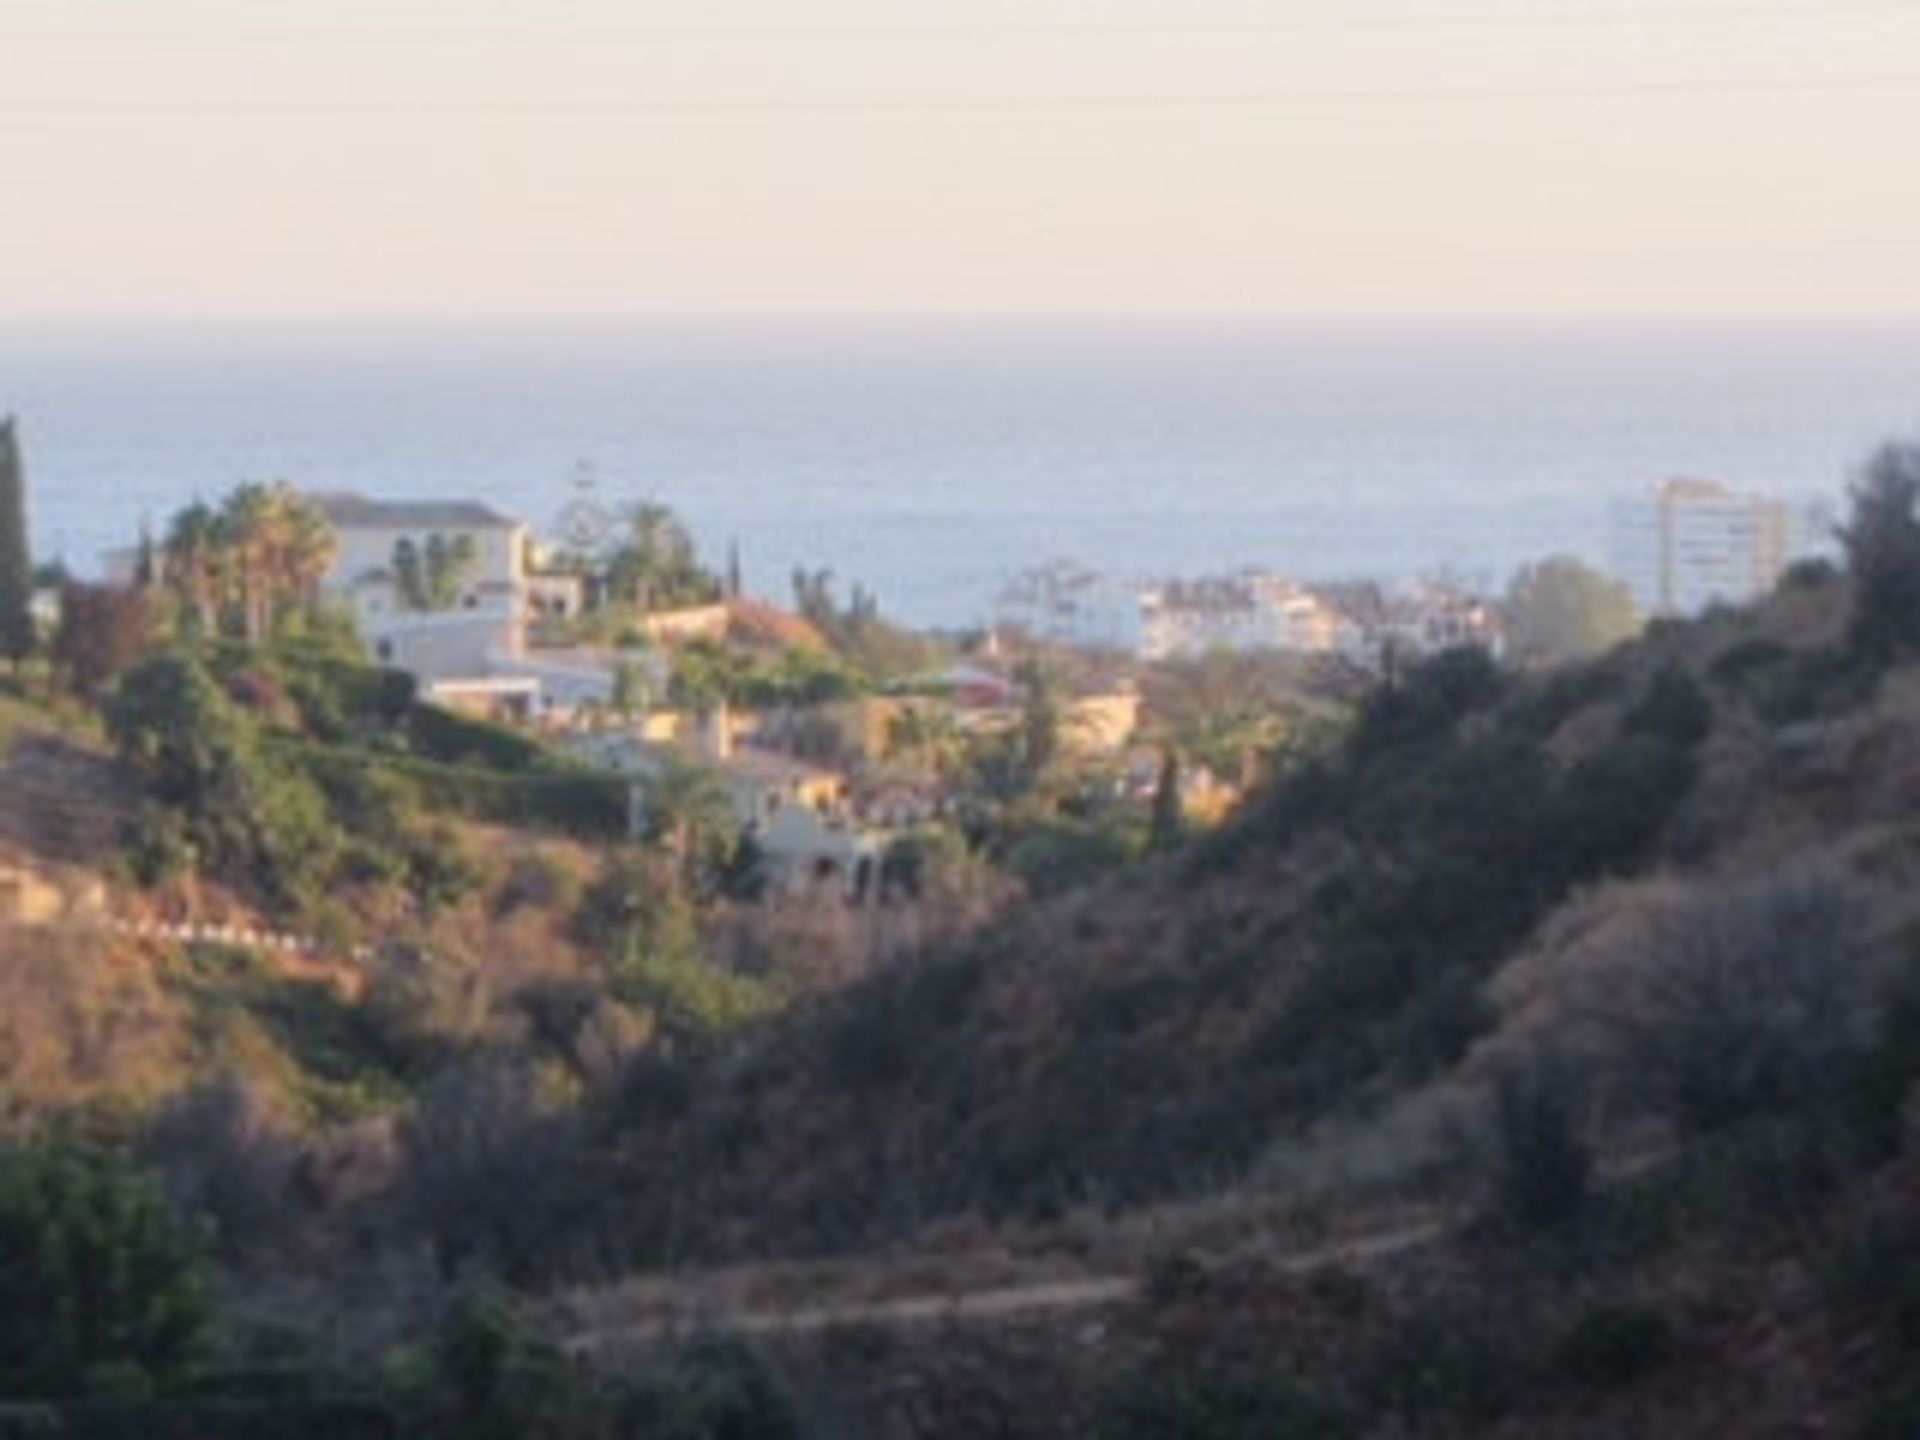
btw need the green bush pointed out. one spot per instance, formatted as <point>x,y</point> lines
<point>451,739</point>
<point>584,803</point>
<point>99,1283</point>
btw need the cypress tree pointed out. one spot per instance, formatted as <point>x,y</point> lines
<point>1167,825</point>
<point>16,561</point>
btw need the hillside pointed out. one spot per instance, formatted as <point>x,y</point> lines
<point>1173,1030</point>
<point>1536,1060</point>
<point>1601,970</point>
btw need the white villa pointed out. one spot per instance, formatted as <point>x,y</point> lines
<point>1239,613</point>
<point>485,622</point>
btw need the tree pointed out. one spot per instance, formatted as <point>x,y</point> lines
<point>192,565</point>
<point>1168,823</point>
<point>1882,542</point>
<point>99,1283</point>
<point>1040,725</point>
<point>656,567</point>
<point>686,811</point>
<point>204,755</point>
<point>448,564</point>
<point>249,563</point>
<point>1561,610</point>
<point>16,557</point>
<point>103,632</point>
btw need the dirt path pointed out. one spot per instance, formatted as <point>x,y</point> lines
<point>999,1304</point>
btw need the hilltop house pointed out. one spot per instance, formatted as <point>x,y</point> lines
<point>437,586</point>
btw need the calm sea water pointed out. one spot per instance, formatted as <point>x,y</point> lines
<point>929,461</point>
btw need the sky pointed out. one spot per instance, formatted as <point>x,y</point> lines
<point>452,159</point>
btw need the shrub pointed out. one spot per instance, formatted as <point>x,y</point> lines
<point>1426,705</point>
<point>1674,709</point>
<point>489,1173</point>
<point>227,1154</point>
<point>1456,1356</point>
<point>1882,542</point>
<point>1543,1165</point>
<point>1059,855</point>
<point>1614,1344</point>
<point>1754,1000</point>
<point>99,1278</point>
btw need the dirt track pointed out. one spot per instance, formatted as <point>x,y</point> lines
<point>960,1308</point>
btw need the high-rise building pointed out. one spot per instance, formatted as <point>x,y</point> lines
<point>1694,542</point>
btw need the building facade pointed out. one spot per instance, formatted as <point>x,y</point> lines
<point>483,614</point>
<point>1237,613</point>
<point>1695,543</point>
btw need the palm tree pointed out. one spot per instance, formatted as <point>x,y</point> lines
<point>248,525</point>
<point>310,548</point>
<point>687,810</point>
<point>193,564</point>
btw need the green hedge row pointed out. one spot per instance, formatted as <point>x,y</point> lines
<point>579,802</point>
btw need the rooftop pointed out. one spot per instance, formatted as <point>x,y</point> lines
<point>357,512</point>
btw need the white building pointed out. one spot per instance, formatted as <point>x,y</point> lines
<point>1068,604</point>
<point>1692,543</point>
<point>1238,613</point>
<point>485,617</point>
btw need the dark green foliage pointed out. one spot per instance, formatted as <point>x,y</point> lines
<point>1221,1401</point>
<point>16,558</point>
<point>99,1284</point>
<point>1167,824</point>
<point>1542,1163</point>
<point>1882,540</point>
<point>1058,855</point>
<point>206,757</point>
<point>450,739</point>
<point>1613,806</point>
<point>431,579</point>
<point>1674,709</point>
<point>580,802</point>
<point>1424,707</point>
<point>1549,702</point>
<point>1614,1344</point>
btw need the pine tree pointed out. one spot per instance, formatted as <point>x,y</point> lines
<point>16,560</point>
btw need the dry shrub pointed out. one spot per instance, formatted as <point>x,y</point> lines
<point>230,1151</point>
<point>80,1023</point>
<point>1749,999</point>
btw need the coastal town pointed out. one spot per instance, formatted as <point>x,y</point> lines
<point>613,642</point>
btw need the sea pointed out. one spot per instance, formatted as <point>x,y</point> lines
<point>932,460</point>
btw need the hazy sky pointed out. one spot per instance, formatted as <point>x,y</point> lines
<point>542,157</point>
